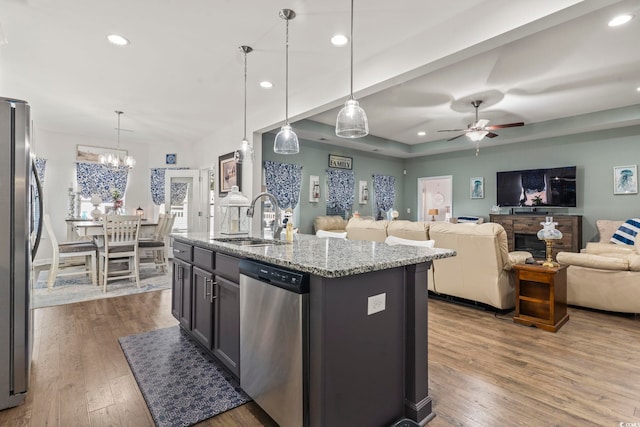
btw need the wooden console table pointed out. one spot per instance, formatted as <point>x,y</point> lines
<point>541,296</point>
<point>519,225</point>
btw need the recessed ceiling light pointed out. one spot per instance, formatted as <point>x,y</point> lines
<point>339,40</point>
<point>620,20</point>
<point>117,40</point>
<point>422,133</point>
<point>638,88</point>
<point>265,84</point>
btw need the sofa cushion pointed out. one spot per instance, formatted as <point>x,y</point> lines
<point>602,262</point>
<point>627,232</point>
<point>367,229</point>
<point>412,230</point>
<point>330,223</point>
<point>599,248</point>
<point>606,228</point>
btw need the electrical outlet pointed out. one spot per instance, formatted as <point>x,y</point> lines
<point>408,210</point>
<point>376,304</point>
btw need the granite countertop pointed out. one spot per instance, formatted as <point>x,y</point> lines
<point>323,256</point>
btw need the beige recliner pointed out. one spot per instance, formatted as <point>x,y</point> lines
<point>604,275</point>
<point>481,270</point>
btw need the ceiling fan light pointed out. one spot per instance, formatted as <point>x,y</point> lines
<point>352,121</point>
<point>286,141</point>
<point>477,135</point>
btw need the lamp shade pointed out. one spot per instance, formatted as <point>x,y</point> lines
<point>140,212</point>
<point>477,135</point>
<point>433,212</point>
<point>286,141</point>
<point>245,153</point>
<point>352,121</point>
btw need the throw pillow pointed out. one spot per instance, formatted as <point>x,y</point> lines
<point>627,232</point>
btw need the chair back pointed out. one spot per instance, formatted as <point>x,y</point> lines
<point>169,219</point>
<point>121,230</point>
<point>52,236</point>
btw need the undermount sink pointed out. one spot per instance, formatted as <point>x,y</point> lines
<point>248,241</point>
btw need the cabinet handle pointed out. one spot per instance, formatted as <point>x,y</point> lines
<point>213,283</point>
<point>180,270</point>
<point>177,251</point>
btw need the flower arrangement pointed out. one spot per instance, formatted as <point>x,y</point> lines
<point>117,199</point>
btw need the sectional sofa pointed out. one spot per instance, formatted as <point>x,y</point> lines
<point>481,270</point>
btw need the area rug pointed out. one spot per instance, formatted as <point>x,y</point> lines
<point>181,384</point>
<point>70,290</point>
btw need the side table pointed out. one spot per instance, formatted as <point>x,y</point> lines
<point>541,296</point>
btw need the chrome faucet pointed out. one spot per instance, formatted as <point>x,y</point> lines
<point>275,227</point>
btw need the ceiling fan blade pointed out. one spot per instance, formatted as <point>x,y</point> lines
<point>481,123</point>
<point>452,130</point>
<point>456,137</point>
<point>506,125</point>
<point>491,135</point>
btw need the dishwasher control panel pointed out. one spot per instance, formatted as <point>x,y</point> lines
<point>294,281</point>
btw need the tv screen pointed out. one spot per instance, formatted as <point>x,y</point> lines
<point>537,187</point>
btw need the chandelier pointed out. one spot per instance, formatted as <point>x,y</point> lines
<point>114,159</point>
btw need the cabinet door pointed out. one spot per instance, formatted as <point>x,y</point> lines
<point>202,314</point>
<point>226,343</point>
<point>181,293</point>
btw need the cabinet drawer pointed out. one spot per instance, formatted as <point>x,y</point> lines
<point>204,258</point>
<point>227,266</point>
<point>183,251</point>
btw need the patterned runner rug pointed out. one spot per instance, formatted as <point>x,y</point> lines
<point>70,290</point>
<point>181,384</point>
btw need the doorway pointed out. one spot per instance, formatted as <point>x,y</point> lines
<point>435,202</point>
<point>182,195</point>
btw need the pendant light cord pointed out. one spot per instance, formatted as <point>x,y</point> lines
<point>351,43</point>
<point>286,77</point>
<point>245,95</point>
<point>118,113</point>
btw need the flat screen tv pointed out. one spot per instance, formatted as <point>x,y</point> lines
<point>537,187</point>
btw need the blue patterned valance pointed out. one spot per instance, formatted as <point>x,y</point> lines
<point>341,186</point>
<point>284,181</point>
<point>385,191</point>
<point>96,178</point>
<point>178,190</point>
<point>41,165</point>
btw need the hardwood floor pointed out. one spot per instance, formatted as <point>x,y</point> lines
<point>483,370</point>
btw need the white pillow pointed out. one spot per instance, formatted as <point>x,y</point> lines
<point>393,240</point>
<point>323,233</point>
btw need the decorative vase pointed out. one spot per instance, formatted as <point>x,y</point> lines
<point>96,201</point>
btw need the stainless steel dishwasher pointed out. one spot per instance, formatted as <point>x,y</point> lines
<point>274,345</point>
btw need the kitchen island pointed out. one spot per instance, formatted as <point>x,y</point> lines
<point>366,359</point>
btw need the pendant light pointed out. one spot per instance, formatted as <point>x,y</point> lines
<point>113,159</point>
<point>245,153</point>
<point>352,120</point>
<point>286,141</point>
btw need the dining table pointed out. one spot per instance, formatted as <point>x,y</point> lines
<point>95,229</point>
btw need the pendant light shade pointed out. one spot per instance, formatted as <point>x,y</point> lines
<point>286,141</point>
<point>352,120</point>
<point>245,153</point>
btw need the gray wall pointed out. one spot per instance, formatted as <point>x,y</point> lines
<point>594,153</point>
<point>314,159</point>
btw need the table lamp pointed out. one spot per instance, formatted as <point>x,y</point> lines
<point>549,233</point>
<point>433,213</point>
<point>140,212</point>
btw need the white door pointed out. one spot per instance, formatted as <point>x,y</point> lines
<point>185,202</point>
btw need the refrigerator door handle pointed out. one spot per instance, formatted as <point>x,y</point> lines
<point>36,244</point>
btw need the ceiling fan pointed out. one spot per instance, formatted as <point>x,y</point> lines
<point>479,129</point>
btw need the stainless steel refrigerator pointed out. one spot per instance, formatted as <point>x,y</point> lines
<point>20,230</point>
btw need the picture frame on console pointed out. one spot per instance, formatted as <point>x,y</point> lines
<point>476,187</point>
<point>625,179</point>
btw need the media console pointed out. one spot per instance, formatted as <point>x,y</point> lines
<point>522,230</point>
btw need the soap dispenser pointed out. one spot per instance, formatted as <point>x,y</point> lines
<point>289,232</point>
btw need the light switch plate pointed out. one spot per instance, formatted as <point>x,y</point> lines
<point>376,304</point>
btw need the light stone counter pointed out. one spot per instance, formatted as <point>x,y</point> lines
<point>323,256</point>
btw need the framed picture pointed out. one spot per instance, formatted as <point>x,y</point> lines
<point>89,154</point>
<point>314,188</point>
<point>229,173</point>
<point>625,179</point>
<point>171,159</point>
<point>340,162</point>
<point>476,188</point>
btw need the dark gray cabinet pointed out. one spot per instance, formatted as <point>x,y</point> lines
<point>226,341</point>
<point>181,293</point>
<point>206,300</point>
<point>202,307</point>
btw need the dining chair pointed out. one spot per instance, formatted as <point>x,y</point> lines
<point>119,243</point>
<point>65,251</point>
<point>157,244</point>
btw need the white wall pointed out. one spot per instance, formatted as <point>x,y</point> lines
<point>59,149</point>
